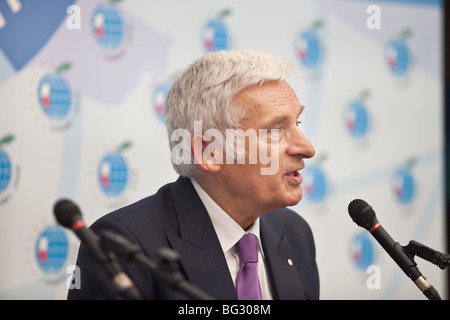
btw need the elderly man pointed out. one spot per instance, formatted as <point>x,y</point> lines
<point>232,121</point>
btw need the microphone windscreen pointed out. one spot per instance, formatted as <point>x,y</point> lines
<point>66,213</point>
<point>362,213</point>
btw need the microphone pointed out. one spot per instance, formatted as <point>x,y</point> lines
<point>364,216</point>
<point>68,214</point>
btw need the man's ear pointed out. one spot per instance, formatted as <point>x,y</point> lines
<point>204,161</point>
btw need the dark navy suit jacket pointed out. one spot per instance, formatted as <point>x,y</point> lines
<point>175,217</point>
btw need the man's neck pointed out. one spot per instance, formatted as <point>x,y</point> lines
<point>243,213</point>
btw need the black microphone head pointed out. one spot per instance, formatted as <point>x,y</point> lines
<point>362,214</point>
<point>66,213</point>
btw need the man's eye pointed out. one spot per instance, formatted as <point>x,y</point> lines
<point>297,123</point>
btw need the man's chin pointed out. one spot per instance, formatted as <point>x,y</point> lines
<point>293,200</point>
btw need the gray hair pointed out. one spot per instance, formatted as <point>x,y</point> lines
<point>205,92</point>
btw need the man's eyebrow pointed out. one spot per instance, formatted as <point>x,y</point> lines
<point>275,121</point>
<point>302,107</point>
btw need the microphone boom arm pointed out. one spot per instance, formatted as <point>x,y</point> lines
<point>123,247</point>
<point>414,248</point>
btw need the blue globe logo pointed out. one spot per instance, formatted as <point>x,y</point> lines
<point>357,119</point>
<point>5,170</point>
<point>315,184</point>
<point>159,99</point>
<point>55,96</point>
<point>398,57</point>
<point>107,26</point>
<point>362,251</point>
<point>215,36</point>
<point>308,49</point>
<point>51,249</point>
<point>113,174</point>
<point>403,186</point>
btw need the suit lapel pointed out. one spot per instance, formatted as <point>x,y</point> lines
<point>202,258</point>
<point>284,278</point>
<point>198,246</point>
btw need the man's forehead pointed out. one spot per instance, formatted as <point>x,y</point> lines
<point>271,93</point>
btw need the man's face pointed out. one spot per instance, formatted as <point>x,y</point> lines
<point>275,108</point>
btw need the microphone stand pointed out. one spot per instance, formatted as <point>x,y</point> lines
<point>165,271</point>
<point>442,260</point>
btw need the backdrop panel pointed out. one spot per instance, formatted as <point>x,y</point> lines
<point>82,90</point>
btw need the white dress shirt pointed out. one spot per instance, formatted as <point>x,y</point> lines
<point>229,233</point>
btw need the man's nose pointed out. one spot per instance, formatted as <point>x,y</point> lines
<point>300,146</point>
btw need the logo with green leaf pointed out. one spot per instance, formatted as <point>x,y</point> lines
<point>113,171</point>
<point>404,183</point>
<point>315,184</point>
<point>357,118</point>
<point>107,25</point>
<point>55,96</point>
<point>5,163</point>
<point>308,46</point>
<point>215,35</point>
<point>398,55</point>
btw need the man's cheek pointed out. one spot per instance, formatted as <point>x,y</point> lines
<point>269,152</point>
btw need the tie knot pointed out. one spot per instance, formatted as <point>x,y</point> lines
<point>247,248</point>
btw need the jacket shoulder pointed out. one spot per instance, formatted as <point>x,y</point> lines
<point>146,208</point>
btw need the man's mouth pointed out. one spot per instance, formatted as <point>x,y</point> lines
<point>294,177</point>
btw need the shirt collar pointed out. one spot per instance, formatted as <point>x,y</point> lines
<point>228,231</point>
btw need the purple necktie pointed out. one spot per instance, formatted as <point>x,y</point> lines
<point>247,283</point>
